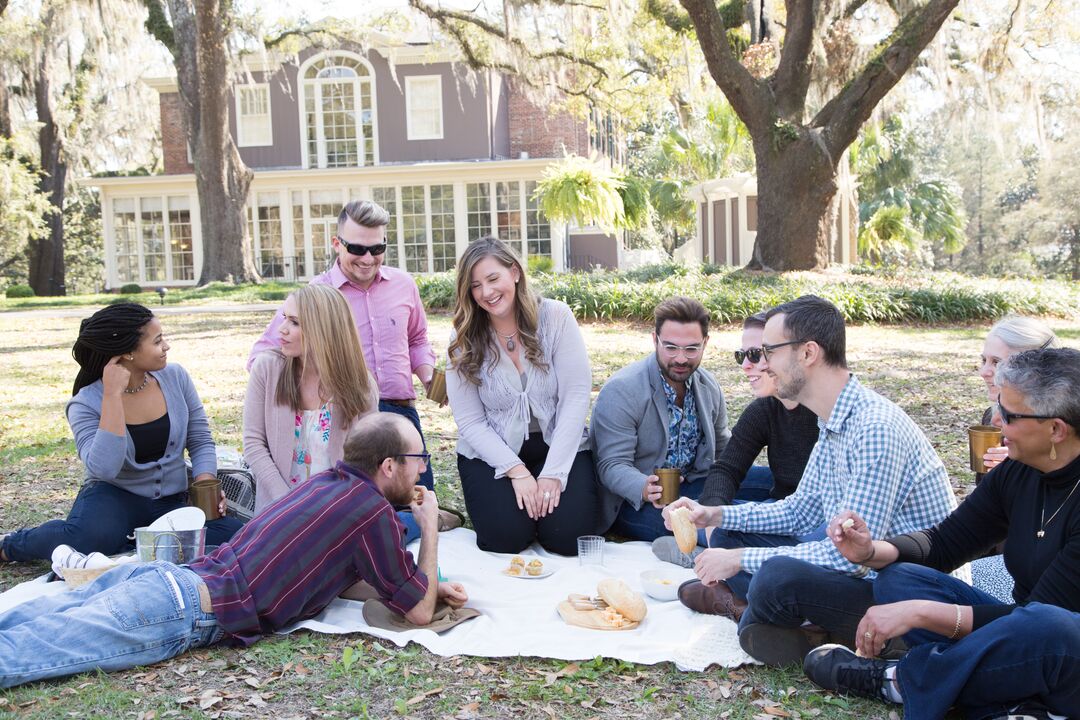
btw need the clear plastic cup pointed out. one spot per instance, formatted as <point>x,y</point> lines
<point>590,550</point>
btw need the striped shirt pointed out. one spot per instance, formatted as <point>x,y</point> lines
<point>293,558</point>
<point>870,458</point>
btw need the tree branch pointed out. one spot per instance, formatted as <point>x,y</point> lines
<point>747,97</point>
<point>851,107</point>
<point>446,19</point>
<point>791,80</point>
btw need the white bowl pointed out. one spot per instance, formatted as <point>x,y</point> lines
<point>185,518</point>
<point>662,584</point>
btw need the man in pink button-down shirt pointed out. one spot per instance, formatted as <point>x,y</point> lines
<point>386,307</point>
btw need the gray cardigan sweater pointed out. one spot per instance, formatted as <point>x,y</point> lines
<point>630,431</point>
<point>111,458</point>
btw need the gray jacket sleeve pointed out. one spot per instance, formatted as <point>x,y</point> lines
<point>615,426</point>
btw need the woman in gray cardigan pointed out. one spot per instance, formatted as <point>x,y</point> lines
<point>132,416</point>
<point>519,385</point>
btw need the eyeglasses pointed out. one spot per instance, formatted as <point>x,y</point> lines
<point>424,457</point>
<point>690,351</point>
<point>1007,417</point>
<point>752,354</point>
<point>766,350</point>
<point>362,250</point>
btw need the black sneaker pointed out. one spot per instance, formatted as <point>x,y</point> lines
<point>836,668</point>
<point>1029,711</point>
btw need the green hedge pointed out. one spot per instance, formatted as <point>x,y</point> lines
<point>731,295</point>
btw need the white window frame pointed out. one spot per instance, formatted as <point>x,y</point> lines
<point>412,81</point>
<point>241,140</point>
<point>320,159</point>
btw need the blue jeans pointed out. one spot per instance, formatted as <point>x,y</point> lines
<point>427,478</point>
<point>412,530</point>
<point>648,522</point>
<point>101,519</point>
<point>756,486</point>
<point>786,591</point>
<point>135,614</point>
<point>1031,654</point>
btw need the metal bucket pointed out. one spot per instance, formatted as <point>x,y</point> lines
<point>175,546</point>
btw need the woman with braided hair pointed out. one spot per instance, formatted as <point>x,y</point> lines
<point>132,415</point>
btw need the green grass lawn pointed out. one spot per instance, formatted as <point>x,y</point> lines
<point>929,371</point>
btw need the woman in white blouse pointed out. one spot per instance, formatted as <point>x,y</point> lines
<point>519,384</point>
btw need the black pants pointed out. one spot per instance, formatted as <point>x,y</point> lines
<point>501,527</point>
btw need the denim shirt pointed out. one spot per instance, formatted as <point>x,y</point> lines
<point>684,433</point>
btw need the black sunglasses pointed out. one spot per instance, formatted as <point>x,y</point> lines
<point>754,354</point>
<point>362,250</point>
<point>424,457</point>
<point>766,350</point>
<point>1007,417</point>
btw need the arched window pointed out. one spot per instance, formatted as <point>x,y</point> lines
<point>338,105</point>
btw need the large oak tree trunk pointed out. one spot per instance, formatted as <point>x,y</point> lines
<point>796,213</point>
<point>46,254</point>
<point>221,177</point>
<point>197,40</point>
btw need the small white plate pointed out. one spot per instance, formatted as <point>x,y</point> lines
<point>525,576</point>
<point>185,518</point>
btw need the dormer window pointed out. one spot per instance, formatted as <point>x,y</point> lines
<point>337,101</point>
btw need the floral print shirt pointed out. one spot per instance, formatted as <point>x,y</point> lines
<point>684,433</point>
<point>311,455</point>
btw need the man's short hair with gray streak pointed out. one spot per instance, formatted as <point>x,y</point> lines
<point>1048,379</point>
<point>363,212</point>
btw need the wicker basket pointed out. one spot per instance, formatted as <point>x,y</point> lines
<point>77,577</point>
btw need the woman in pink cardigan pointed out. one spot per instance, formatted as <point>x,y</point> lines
<point>303,398</point>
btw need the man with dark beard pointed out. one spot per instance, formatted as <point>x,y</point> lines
<point>661,411</point>
<point>870,458</point>
<point>285,565</point>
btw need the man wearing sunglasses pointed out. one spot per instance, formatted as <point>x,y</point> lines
<point>386,306</point>
<point>870,458</point>
<point>662,411</point>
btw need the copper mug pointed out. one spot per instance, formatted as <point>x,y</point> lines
<point>205,494</point>
<point>437,387</point>
<point>980,439</point>
<point>669,484</point>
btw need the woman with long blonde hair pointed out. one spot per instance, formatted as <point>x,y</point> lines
<point>519,385</point>
<point>302,398</point>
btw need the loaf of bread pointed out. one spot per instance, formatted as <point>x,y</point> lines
<point>618,595</point>
<point>683,527</point>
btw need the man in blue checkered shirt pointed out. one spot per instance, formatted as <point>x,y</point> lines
<point>870,457</point>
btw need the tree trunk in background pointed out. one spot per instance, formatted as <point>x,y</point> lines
<point>795,218</point>
<point>221,177</point>
<point>46,255</point>
<point>198,45</point>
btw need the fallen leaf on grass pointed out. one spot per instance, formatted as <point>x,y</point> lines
<point>253,682</point>
<point>422,696</point>
<point>468,712</point>
<point>209,698</point>
<point>256,700</point>
<point>777,711</point>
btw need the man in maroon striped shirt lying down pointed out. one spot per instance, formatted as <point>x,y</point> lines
<point>285,565</point>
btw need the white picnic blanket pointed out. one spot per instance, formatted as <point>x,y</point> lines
<point>519,615</point>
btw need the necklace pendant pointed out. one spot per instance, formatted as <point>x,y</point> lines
<point>510,345</point>
<point>1040,533</point>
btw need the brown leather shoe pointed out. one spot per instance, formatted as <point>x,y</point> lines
<point>711,600</point>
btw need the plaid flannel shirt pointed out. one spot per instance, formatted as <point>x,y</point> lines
<point>870,458</point>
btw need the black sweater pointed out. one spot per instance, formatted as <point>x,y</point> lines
<point>789,435</point>
<point>1009,505</point>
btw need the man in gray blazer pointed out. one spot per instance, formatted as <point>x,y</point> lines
<point>661,411</point>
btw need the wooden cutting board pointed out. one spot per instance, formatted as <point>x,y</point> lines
<point>588,618</point>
